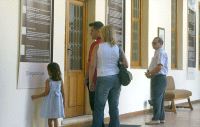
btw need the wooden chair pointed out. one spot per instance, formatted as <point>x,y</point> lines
<point>172,94</point>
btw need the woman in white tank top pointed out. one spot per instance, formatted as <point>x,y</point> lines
<point>108,87</point>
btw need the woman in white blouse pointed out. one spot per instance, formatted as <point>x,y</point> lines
<point>108,87</point>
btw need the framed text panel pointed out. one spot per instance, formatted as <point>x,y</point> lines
<point>191,39</point>
<point>191,34</point>
<point>116,17</point>
<point>161,34</point>
<point>35,42</point>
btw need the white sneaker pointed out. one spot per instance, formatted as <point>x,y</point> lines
<point>153,122</point>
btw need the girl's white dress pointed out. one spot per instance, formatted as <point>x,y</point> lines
<point>52,106</point>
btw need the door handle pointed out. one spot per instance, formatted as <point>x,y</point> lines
<point>69,49</point>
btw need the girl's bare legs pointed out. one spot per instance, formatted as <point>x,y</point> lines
<point>55,122</point>
<point>50,122</point>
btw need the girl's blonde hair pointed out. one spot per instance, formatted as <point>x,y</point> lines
<point>107,34</point>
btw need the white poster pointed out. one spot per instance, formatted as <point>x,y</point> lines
<point>32,75</point>
<point>192,4</point>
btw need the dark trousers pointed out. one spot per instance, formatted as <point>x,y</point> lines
<point>158,86</point>
<point>91,99</point>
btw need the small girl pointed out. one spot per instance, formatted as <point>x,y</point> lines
<point>53,104</point>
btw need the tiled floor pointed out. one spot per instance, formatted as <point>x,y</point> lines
<point>183,118</point>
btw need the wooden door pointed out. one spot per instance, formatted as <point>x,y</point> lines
<point>75,58</point>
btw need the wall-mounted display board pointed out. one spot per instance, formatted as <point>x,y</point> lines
<point>116,17</point>
<point>191,39</point>
<point>191,34</point>
<point>35,43</point>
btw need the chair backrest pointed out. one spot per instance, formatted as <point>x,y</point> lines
<point>170,83</point>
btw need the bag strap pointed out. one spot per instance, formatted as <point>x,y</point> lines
<point>120,54</point>
<point>122,57</point>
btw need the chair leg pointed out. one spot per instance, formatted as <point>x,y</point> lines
<point>190,104</point>
<point>173,106</point>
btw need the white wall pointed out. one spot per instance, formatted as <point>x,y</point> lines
<point>15,104</point>
<point>16,107</point>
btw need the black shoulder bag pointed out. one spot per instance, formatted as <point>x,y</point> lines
<point>125,76</point>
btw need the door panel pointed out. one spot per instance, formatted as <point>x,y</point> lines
<point>75,58</point>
